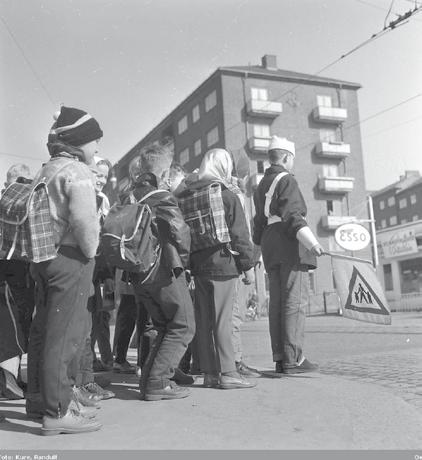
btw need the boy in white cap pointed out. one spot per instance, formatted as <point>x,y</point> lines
<point>289,250</point>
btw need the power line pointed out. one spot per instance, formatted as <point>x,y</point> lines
<point>26,157</point>
<point>28,61</point>
<point>394,126</point>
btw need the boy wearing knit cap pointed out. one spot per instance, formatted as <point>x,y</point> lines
<point>289,250</point>
<point>64,282</point>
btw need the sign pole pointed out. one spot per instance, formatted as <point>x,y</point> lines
<point>373,233</point>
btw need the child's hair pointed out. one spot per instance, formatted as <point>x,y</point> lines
<point>17,170</point>
<point>175,166</point>
<point>275,155</point>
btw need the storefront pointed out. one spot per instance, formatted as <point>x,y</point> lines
<point>400,267</point>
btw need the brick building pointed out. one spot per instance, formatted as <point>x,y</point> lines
<point>398,216</point>
<point>239,108</point>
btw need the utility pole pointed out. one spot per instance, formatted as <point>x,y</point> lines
<point>373,233</point>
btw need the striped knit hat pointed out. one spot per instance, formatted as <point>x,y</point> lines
<point>74,127</point>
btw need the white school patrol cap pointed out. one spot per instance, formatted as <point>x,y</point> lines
<point>281,143</point>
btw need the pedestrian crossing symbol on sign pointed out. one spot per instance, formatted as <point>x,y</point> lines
<point>362,296</point>
<point>360,292</point>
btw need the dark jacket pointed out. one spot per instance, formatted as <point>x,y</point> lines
<point>218,260</point>
<point>173,232</point>
<point>278,241</point>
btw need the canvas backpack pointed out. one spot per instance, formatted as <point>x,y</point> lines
<point>129,238</point>
<point>26,228</point>
<point>203,211</point>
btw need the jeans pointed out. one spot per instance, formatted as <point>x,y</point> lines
<point>59,329</point>
<point>171,311</point>
<point>237,323</point>
<point>289,291</point>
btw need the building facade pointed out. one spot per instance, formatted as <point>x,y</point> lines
<point>398,216</point>
<point>239,108</point>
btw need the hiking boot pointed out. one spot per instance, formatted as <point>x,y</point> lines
<point>172,391</point>
<point>85,398</point>
<point>181,378</point>
<point>70,423</point>
<point>96,389</point>
<point>211,380</point>
<point>9,385</point>
<point>246,371</point>
<point>231,382</point>
<point>300,368</point>
<point>123,368</point>
<point>279,367</point>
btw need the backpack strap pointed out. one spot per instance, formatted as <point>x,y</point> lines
<point>269,196</point>
<point>153,192</point>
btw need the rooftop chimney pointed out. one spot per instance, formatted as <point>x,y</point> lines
<point>411,173</point>
<point>269,61</point>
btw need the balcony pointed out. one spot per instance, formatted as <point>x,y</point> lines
<point>332,222</point>
<point>332,149</point>
<point>329,114</point>
<point>333,184</point>
<point>259,144</point>
<point>262,108</point>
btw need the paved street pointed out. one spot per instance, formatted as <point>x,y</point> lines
<point>367,396</point>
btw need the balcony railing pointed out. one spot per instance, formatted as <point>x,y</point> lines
<point>264,108</point>
<point>332,149</point>
<point>329,114</point>
<point>259,144</point>
<point>332,222</point>
<point>336,184</point>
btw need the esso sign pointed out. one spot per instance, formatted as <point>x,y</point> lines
<point>352,237</point>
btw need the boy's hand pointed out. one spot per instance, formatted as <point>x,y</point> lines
<point>317,250</point>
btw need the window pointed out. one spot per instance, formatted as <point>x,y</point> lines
<point>413,199</point>
<point>330,207</point>
<point>415,217</point>
<point>402,203</point>
<point>383,223</point>
<point>393,220</point>
<point>260,94</point>
<point>388,277</point>
<point>195,113</point>
<point>182,126</point>
<point>382,204</point>
<point>197,147</point>
<point>411,275</point>
<point>212,137</point>
<point>211,101</point>
<point>330,171</point>
<point>391,201</point>
<point>184,156</point>
<point>261,130</point>
<point>328,135</point>
<point>324,101</point>
<point>260,167</point>
<point>403,221</point>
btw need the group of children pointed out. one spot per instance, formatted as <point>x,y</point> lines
<point>203,236</point>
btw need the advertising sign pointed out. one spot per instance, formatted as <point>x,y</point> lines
<point>352,237</point>
<point>397,243</point>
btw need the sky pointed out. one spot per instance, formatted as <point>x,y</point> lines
<point>130,62</point>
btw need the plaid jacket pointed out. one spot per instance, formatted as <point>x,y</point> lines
<point>203,211</point>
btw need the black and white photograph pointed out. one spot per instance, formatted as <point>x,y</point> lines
<point>211,229</point>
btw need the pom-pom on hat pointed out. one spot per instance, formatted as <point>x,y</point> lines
<point>75,127</point>
<point>281,143</point>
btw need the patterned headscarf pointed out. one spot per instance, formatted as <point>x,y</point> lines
<point>217,165</point>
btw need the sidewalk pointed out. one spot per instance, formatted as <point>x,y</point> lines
<point>335,409</point>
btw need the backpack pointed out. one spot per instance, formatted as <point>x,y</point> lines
<point>203,211</point>
<point>129,238</point>
<point>26,228</point>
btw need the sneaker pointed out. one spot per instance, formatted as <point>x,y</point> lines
<point>229,382</point>
<point>279,367</point>
<point>9,385</point>
<point>70,423</point>
<point>181,378</point>
<point>85,397</point>
<point>172,391</point>
<point>88,412</point>
<point>96,389</point>
<point>246,371</point>
<point>211,380</point>
<point>123,368</point>
<point>299,368</point>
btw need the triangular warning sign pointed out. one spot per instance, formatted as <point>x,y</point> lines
<point>362,297</point>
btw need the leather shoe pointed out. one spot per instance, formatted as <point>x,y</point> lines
<point>95,389</point>
<point>70,423</point>
<point>181,378</point>
<point>171,391</point>
<point>301,368</point>
<point>211,380</point>
<point>246,371</point>
<point>228,382</point>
